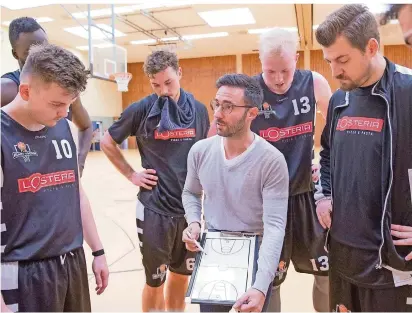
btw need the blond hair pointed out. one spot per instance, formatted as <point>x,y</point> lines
<point>278,40</point>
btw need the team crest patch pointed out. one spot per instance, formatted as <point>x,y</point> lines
<point>160,272</point>
<point>341,308</point>
<point>267,110</point>
<point>282,269</point>
<point>23,150</point>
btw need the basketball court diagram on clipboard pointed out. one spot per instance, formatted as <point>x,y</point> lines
<point>226,271</point>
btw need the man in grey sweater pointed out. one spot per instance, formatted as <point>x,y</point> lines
<point>244,180</point>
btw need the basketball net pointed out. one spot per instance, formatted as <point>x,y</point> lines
<point>122,80</point>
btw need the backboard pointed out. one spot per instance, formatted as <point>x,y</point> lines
<point>106,56</point>
<point>107,59</point>
<point>99,33</point>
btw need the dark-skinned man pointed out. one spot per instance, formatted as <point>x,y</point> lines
<point>23,33</point>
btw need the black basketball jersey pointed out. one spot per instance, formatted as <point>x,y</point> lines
<point>166,152</point>
<point>291,129</point>
<point>40,215</point>
<point>15,77</point>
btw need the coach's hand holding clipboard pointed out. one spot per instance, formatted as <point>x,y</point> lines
<point>251,301</point>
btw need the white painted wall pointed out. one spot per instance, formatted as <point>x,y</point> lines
<point>101,98</point>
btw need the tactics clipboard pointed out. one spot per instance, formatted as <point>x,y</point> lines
<point>226,271</point>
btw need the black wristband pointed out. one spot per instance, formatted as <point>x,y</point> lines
<point>98,252</point>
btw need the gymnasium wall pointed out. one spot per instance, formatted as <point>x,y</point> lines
<point>399,54</point>
<point>101,98</point>
<point>200,75</point>
<point>104,102</point>
<point>8,63</point>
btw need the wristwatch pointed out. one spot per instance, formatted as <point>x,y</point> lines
<point>98,252</point>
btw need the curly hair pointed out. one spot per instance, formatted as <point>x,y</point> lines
<point>158,61</point>
<point>22,25</point>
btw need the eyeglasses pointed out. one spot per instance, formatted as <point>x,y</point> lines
<point>226,107</point>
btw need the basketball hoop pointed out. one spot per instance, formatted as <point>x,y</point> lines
<point>122,80</point>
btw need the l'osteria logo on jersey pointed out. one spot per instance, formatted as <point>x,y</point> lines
<point>274,134</point>
<point>37,181</point>
<point>23,151</point>
<point>175,134</point>
<point>360,123</point>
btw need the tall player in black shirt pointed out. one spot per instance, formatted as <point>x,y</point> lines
<point>23,33</point>
<point>45,212</point>
<point>166,125</point>
<point>287,121</point>
<point>364,192</point>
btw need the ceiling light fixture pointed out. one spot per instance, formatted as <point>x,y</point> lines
<point>229,17</point>
<point>96,33</point>
<point>169,39</point>
<point>128,9</point>
<point>202,36</point>
<point>101,45</point>
<point>143,42</point>
<point>262,30</point>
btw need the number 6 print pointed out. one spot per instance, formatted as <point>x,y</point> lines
<point>190,264</point>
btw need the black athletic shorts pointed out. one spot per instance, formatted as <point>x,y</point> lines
<point>304,240</point>
<point>348,297</point>
<point>161,245</point>
<point>51,285</point>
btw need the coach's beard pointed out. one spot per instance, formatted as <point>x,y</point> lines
<point>231,130</point>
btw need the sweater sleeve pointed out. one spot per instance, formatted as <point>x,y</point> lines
<point>275,205</point>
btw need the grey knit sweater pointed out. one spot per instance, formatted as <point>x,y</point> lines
<point>248,193</point>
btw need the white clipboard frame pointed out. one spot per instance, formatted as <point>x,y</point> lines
<point>199,291</point>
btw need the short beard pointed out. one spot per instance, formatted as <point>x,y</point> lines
<point>353,85</point>
<point>234,129</point>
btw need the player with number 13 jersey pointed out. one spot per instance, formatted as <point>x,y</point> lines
<point>287,121</point>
